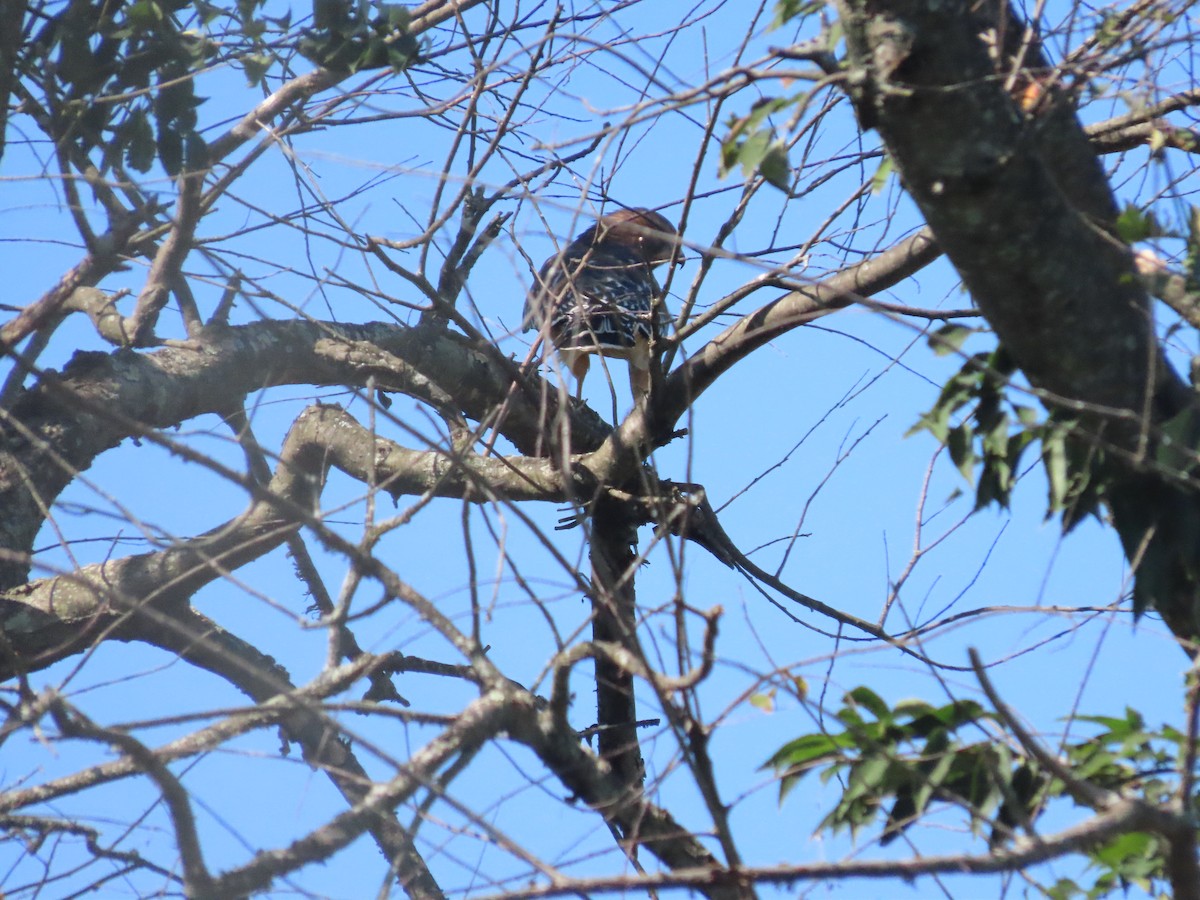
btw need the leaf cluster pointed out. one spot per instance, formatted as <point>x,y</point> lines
<point>369,34</point>
<point>753,145</point>
<point>119,78</point>
<point>896,763</point>
<point>787,10</point>
<point>986,433</point>
<point>903,759</point>
<point>1125,757</point>
<point>752,142</point>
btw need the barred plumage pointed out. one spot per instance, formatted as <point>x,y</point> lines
<point>599,294</point>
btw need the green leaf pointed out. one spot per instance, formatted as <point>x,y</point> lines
<point>884,171</point>
<point>936,422</point>
<point>1124,847</point>
<point>775,168</point>
<point>913,708</point>
<point>170,150</point>
<point>1026,415</point>
<point>1054,457</point>
<point>804,751</point>
<point>786,10</point>
<point>867,698</point>
<point>961,443</point>
<point>353,39</point>
<point>752,145</point>
<point>396,17</point>
<point>868,777</point>
<point>933,780</point>
<point>752,151</point>
<point>137,136</point>
<point>949,339</point>
<point>1131,722</point>
<point>760,110</point>
<point>1065,889</point>
<point>195,151</point>
<point>765,702</point>
<point>962,712</point>
<point>144,14</point>
<point>1133,225</point>
<point>1176,448</point>
<point>331,15</point>
<point>995,437</point>
<point>995,485</point>
<point>800,685</point>
<point>729,156</point>
<point>256,66</point>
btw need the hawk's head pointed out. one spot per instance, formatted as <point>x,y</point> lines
<point>647,233</point>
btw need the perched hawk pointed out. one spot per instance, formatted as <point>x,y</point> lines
<point>599,294</point>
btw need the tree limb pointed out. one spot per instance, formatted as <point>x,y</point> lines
<point>1022,208</point>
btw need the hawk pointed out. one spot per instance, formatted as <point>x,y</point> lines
<point>599,294</point>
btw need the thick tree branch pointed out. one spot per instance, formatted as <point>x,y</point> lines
<point>1021,206</point>
<point>791,310</point>
<point>49,619</point>
<point>652,425</point>
<point>58,428</point>
<point>52,618</point>
<point>1045,270</point>
<point>614,559</point>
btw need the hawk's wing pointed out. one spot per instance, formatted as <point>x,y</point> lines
<point>604,302</point>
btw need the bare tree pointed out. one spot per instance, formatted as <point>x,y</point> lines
<point>278,459</point>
